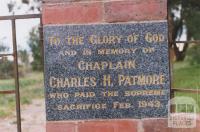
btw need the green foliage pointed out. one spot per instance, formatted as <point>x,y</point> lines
<point>6,66</point>
<point>6,69</point>
<point>31,87</point>
<point>194,55</point>
<point>34,44</point>
<point>186,76</point>
<point>189,19</point>
<point>8,103</point>
<point>193,24</point>
<point>23,55</point>
<point>189,16</point>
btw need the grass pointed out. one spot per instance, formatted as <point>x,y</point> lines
<point>31,87</point>
<point>186,76</point>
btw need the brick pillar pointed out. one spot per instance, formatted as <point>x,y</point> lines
<point>103,11</point>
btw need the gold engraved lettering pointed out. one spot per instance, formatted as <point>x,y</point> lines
<point>104,65</point>
<point>84,94</point>
<point>58,95</point>
<point>87,52</point>
<point>144,92</point>
<point>141,80</point>
<point>52,82</point>
<point>74,40</point>
<point>110,93</point>
<point>121,105</point>
<point>68,53</point>
<point>94,39</point>
<point>72,82</point>
<point>154,38</point>
<point>133,38</point>
<point>118,51</point>
<point>70,107</point>
<point>106,80</point>
<point>152,104</point>
<point>148,50</point>
<point>54,40</point>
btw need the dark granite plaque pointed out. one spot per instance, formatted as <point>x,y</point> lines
<point>106,71</point>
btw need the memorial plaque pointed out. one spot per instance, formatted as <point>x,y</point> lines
<point>106,71</point>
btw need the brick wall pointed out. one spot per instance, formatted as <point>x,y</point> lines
<point>106,11</point>
<point>144,125</point>
<point>102,11</point>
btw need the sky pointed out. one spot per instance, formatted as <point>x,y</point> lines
<point>23,27</point>
<point>183,36</point>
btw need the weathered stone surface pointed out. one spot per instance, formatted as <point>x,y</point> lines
<point>148,59</point>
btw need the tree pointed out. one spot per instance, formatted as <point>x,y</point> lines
<point>32,5</point>
<point>194,55</point>
<point>6,66</point>
<point>189,19</point>
<point>24,57</point>
<point>6,69</point>
<point>3,48</point>
<point>34,44</point>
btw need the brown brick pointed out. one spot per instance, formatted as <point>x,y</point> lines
<point>135,10</point>
<point>62,1</point>
<point>72,13</point>
<point>155,125</point>
<point>108,126</point>
<point>61,127</point>
<point>161,125</point>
